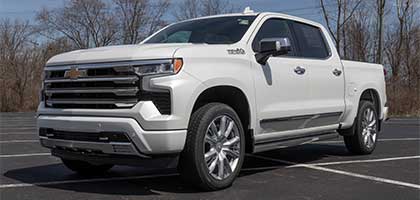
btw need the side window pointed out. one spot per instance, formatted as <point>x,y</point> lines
<point>273,28</point>
<point>310,41</point>
<point>179,37</point>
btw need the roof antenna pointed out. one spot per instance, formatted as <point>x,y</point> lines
<point>248,10</point>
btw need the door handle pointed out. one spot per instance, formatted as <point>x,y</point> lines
<point>337,72</point>
<point>299,70</point>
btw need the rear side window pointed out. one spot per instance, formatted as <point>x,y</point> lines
<point>310,41</point>
<point>273,28</point>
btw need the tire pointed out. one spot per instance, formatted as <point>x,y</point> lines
<point>363,141</point>
<point>85,168</point>
<point>208,173</point>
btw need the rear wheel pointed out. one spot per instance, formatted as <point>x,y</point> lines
<point>215,147</point>
<point>363,141</point>
<point>85,168</point>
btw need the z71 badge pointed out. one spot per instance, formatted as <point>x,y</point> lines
<point>236,51</point>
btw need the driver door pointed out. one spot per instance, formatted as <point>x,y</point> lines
<point>282,90</point>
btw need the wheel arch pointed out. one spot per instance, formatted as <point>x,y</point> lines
<point>234,97</point>
<point>372,95</point>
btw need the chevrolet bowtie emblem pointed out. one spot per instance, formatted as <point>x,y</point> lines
<point>74,73</point>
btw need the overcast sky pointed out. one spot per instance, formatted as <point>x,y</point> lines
<point>27,9</point>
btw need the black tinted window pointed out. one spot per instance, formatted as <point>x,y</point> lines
<point>272,28</point>
<point>219,30</point>
<point>310,41</point>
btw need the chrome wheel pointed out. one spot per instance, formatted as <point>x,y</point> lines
<point>369,128</point>
<point>222,147</point>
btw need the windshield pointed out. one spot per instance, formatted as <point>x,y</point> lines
<point>219,30</point>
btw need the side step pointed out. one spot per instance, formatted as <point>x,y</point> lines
<point>278,144</point>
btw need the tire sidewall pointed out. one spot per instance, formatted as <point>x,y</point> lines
<point>213,113</point>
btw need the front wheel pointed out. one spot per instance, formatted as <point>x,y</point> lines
<point>363,141</point>
<point>214,149</point>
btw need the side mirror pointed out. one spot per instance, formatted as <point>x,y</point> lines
<point>272,47</point>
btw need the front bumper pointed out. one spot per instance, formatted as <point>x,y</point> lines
<point>141,143</point>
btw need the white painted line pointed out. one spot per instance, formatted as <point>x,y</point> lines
<point>398,139</point>
<point>372,178</point>
<point>24,155</point>
<point>20,133</point>
<point>404,119</point>
<point>20,128</point>
<point>379,140</point>
<point>84,181</point>
<point>18,141</point>
<point>259,168</point>
<point>358,161</point>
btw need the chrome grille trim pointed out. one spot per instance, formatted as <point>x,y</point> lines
<point>118,92</point>
<point>128,79</point>
<point>117,103</point>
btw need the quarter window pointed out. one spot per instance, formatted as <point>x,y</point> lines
<point>310,41</point>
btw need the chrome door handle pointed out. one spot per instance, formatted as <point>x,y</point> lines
<point>337,72</point>
<point>299,70</point>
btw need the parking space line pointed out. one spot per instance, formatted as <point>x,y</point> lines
<point>372,178</point>
<point>398,139</point>
<point>359,161</point>
<point>379,140</point>
<point>19,133</point>
<point>20,128</point>
<point>24,155</point>
<point>259,168</point>
<point>18,141</point>
<point>85,180</point>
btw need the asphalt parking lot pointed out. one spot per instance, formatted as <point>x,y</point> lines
<point>322,170</point>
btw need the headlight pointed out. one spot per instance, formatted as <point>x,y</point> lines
<point>163,67</point>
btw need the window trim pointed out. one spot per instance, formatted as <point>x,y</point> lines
<point>324,40</point>
<point>292,30</point>
<point>293,39</point>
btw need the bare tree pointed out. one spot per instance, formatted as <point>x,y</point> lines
<point>401,48</point>
<point>16,73</point>
<point>360,30</point>
<point>188,9</point>
<point>132,16</point>
<point>344,12</point>
<point>359,37</point>
<point>87,23</point>
<point>380,12</point>
<point>139,18</point>
<point>156,22</point>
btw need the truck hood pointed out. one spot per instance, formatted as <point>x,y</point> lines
<point>117,53</point>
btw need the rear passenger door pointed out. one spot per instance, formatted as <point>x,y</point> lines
<point>324,73</point>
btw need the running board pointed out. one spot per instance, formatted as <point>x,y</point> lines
<point>279,144</point>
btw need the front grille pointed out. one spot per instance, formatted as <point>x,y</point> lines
<point>91,86</point>
<point>98,86</point>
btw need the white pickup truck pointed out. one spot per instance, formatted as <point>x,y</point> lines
<point>206,91</point>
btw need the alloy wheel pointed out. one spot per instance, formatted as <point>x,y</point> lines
<point>369,128</point>
<point>222,147</point>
